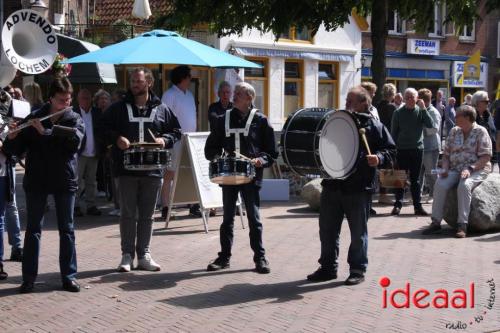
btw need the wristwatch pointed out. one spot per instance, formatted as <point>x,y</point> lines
<point>470,168</point>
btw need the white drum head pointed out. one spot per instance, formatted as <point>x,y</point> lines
<point>339,145</point>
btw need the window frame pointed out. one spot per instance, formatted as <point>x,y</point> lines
<point>300,80</point>
<point>439,20</point>
<point>265,79</point>
<point>397,21</point>
<point>464,38</point>
<point>334,82</point>
<point>292,32</point>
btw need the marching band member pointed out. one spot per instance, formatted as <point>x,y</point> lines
<point>134,119</point>
<point>352,196</point>
<point>51,147</point>
<point>257,142</point>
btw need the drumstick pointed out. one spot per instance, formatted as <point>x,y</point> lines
<point>362,132</point>
<point>242,156</point>
<point>151,133</point>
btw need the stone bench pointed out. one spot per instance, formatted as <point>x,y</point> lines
<point>485,206</point>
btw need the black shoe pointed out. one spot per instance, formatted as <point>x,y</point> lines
<point>262,266</point>
<point>322,274</point>
<point>93,211</point>
<point>373,212</point>
<point>26,287</point>
<point>433,228</point>
<point>420,211</point>
<point>3,274</point>
<point>396,210</point>
<point>16,255</point>
<point>354,278</point>
<point>218,264</point>
<point>164,212</point>
<point>195,211</point>
<point>71,286</point>
<point>78,212</point>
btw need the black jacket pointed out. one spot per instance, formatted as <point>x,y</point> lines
<point>115,123</point>
<point>51,160</point>
<point>215,110</point>
<point>260,141</point>
<point>99,144</point>
<point>381,143</point>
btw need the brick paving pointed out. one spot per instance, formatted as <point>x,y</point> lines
<point>183,297</point>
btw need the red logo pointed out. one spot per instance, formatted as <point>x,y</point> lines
<point>422,298</point>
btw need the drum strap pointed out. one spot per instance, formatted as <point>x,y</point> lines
<point>140,120</point>
<point>238,131</point>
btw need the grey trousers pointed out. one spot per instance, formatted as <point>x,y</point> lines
<point>137,195</point>
<point>464,194</point>
<point>87,168</point>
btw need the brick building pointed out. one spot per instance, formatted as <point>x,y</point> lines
<point>434,60</point>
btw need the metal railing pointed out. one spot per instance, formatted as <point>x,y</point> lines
<point>102,34</point>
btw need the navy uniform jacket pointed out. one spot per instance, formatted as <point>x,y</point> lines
<point>381,143</point>
<point>51,160</point>
<point>115,123</point>
<point>260,142</point>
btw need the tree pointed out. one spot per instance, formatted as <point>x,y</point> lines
<point>226,17</point>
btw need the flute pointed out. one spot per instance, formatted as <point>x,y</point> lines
<point>28,123</point>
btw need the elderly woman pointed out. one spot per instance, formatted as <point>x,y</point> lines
<point>480,102</point>
<point>466,161</point>
<point>102,100</point>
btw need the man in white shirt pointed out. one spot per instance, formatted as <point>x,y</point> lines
<point>88,155</point>
<point>181,101</point>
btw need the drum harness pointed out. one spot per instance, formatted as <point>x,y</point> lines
<point>140,120</point>
<point>238,131</point>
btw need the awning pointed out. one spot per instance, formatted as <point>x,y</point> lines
<point>89,73</point>
<point>296,54</point>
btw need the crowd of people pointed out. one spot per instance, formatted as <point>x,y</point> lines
<point>74,150</point>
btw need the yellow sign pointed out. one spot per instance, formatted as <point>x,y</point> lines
<point>472,69</point>
<point>498,91</point>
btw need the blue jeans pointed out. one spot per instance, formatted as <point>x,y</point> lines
<point>12,222</point>
<point>334,205</point>
<point>250,194</point>
<point>3,193</point>
<point>35,207</point>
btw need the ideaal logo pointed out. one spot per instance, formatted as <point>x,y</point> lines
<point>461,298</point>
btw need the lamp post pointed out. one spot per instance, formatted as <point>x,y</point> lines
<point>40,7</point>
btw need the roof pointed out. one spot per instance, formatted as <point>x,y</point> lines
<point>108,11</point>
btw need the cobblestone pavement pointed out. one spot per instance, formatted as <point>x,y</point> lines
<point>183,297</point>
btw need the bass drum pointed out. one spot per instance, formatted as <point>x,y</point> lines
<point>300,141</point>
<point>321,142</point>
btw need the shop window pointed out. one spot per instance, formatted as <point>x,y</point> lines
<point>394,23</point>
<point>468,32</point>
<point>297,34</point>
<point>327,85</point>
<point>437,27</point>
<point>258,78</point>
<point>294,83</point>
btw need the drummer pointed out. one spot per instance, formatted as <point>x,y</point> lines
<point>258,144</point>
<point>139,118</point>
<point>351,196</point>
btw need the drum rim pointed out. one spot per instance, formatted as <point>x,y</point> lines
<point>356,146</point>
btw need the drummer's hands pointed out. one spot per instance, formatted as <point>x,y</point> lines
<point>257,162</point>
<point>372,160</point>
<point>160,141</point>
<point>12,127</point>
<point>122,143</point>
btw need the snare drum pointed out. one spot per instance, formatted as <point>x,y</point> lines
<point>321,142</point>
<point>231,171</point>
<point>145,157</point>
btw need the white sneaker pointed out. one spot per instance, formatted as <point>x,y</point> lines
<point>114,212</point>
<point>126,263</point>
<point>148,264</point>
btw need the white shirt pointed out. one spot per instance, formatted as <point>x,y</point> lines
<point>183,106</point>
<point>89,150</point>
<point>374,112</point>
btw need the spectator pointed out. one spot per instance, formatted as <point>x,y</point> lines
<point>466,161</point>
<point>33,95</point>
<point>468,99</point>
<point>101,101</point>
<point>407,127</point>
<point>398,100</point>
<point>118,95</point>
<point>387,107</point>
<point>372,89</point>
<point>432,143</point>
<point>449,116</point>
<point>219,108</point>
<point>481,101</point>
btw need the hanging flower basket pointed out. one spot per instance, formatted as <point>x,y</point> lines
<point>59,69</point>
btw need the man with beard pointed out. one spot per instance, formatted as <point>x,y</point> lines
<point>132,120</point>
<point>351,197</point>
